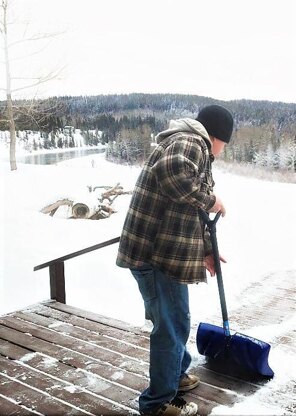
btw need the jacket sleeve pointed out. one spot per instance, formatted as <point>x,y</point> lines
<point>180,174</point>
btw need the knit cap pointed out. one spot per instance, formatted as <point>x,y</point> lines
<point>217,121</point>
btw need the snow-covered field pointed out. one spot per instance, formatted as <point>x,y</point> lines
<point>256,237</point>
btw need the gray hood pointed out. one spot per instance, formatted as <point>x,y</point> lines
<point>184,125</point>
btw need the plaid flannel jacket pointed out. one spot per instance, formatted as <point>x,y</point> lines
<point>162,226</point>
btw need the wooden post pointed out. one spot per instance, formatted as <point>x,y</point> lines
<point>57,282</point>
<point>56,269</point>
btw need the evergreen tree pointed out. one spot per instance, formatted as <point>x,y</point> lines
<point>60,142</point>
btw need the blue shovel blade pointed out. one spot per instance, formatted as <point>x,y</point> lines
<point>242,350</point>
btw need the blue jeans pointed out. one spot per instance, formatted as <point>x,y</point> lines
<point>167,306</point>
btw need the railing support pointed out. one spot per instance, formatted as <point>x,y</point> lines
<point>57,281</point>
<point>57,272</point>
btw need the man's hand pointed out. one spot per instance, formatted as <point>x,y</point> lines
<point>210,265</point>
<point>218,206</point>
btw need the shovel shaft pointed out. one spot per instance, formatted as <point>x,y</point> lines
<point>218,270</point>
<point>211,224</point>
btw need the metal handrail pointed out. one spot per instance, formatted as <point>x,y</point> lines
<point>57,269</point>
<point>78,253</point>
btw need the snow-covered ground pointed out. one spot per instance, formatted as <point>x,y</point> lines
<point>256,237</point>
<point>28,141</point>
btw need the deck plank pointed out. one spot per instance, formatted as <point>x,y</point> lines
<point>56,388</point>
<point>9,408</point>
<point>32,399</point>
<point>72,358</point>
<point>91,316</point>
<point>221,381</point>
<point>60,359</point>
<point>97,338</point>
<point>100,352</point>
<point>138,339</point>
<point>107,388</point>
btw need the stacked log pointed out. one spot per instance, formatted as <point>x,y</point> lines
<point>90,205</point>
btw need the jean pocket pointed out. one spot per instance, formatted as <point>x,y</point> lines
<point>146,282</point>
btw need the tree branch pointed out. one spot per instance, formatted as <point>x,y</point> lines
<point>41,36</point>
<point>31,54</point>
<point>40,81</point>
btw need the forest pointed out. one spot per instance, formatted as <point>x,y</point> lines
<point>264,133</point>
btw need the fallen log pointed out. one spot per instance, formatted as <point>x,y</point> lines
<point>85,206</point>
<point>90,205</point>
<point>52,208</point>
<point>80,210</point>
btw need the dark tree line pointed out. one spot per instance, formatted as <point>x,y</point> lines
<point>128,121</point>
<point>92,112</point>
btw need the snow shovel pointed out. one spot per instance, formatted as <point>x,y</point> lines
<point>231,351</point>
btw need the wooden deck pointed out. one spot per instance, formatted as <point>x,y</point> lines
<point>59,360</point>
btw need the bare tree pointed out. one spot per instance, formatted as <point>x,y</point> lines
<point>10,117</point>
<point>27,82</point>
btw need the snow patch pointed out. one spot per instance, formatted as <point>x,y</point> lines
<point>50,362</point>
<point>57,324</point>
<point>97,383</point>
<point>28,357</point>
<point>71,388</point>
<point>118,375</point>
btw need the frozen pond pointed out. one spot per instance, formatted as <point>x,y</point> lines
<point>56,157</point>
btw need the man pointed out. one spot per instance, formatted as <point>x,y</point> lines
<point>164,244</point>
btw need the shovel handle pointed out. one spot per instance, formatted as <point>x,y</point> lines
<point>211,224</point>
<point>206,218</point>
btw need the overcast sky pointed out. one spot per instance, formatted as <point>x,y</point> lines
<point>225,49</point>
